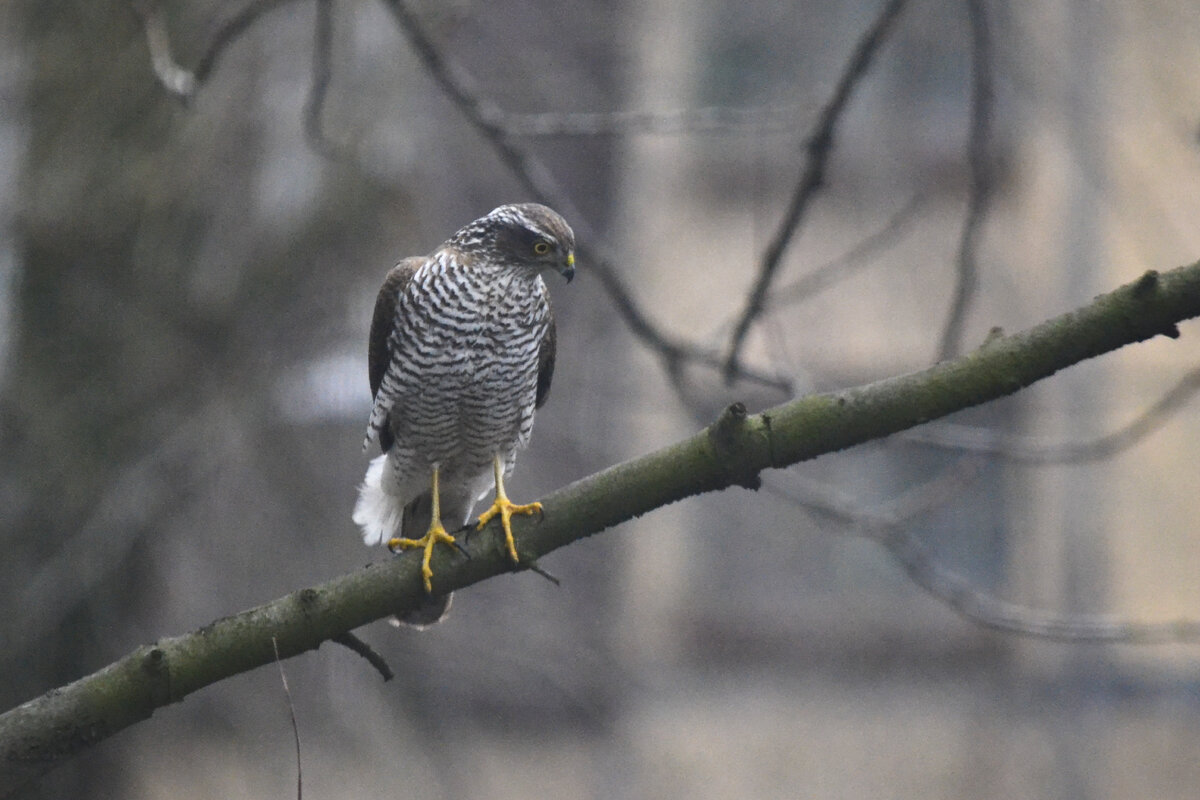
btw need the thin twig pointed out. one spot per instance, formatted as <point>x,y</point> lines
<point>818,147</point>
<point>850,262</point>
<point>982,180</point>
<point>1028,450</point>
<point>292,711</point>
<point>541,185</point>
<point>533,567</point>
<point>824,277</point>
<point>349,640</point>
<point>228,32</point>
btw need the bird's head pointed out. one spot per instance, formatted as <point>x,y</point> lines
<point>527,236</point>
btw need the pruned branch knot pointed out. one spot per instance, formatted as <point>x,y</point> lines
<point>732,437</point>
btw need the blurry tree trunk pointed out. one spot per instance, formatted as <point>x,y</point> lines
<point>95,354</point>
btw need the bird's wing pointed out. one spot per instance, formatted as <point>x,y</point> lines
<point>379,347</point>
<point>546,356</point>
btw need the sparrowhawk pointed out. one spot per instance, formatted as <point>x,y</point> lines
<point>461,354</point>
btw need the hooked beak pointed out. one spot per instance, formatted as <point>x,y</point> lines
<point>569,271</point>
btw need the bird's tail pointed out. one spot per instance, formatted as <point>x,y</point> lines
<point>378,512</point>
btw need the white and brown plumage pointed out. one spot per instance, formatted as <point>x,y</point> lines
<point>460,356</point>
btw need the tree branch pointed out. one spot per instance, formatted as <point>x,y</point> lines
<point>818,147</point>
<point>170,74</point>
<point>981,183</point>
<point>43,732</point>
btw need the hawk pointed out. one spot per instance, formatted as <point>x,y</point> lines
<point>461,354</point>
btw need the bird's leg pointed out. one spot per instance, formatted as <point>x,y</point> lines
<point>435,534</point>
<point>505,508</point>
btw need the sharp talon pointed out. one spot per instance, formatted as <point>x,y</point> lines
<point>435,534</point>
<point>461,549</point>
<point>505,508</point>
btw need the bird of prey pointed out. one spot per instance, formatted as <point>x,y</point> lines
<point>461,354</point>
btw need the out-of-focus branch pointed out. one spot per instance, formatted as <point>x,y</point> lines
<point>981,182</point>
<point>537,180</point>
<point>1030,450</point>
<point>176,79</point>
<point>824,277</point>
<point>43,732</point>
<point>357,645</point>
<point>849,263</point>
<point>889,526</point>
<point>818,147</point>
<point>962,597</point>
<point>318,90</point>
<point>713,119</point>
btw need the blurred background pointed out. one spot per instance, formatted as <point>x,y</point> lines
<point>185,291</point>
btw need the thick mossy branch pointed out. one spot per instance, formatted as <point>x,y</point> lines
<point>36,736</point>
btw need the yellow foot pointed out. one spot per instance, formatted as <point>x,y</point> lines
<point>435,534</point>
<point>505,508</point>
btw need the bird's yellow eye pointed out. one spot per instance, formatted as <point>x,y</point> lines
<point>541,248</point>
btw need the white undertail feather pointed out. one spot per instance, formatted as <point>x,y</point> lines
<point>378,512</point>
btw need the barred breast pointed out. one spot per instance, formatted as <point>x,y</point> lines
<point>464,366</point>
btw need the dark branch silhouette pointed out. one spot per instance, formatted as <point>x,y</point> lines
<point>981,180</point>
<point>818,147</point>
<point>357,645</point>
<point>322,74</point>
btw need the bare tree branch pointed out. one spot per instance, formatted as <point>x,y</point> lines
<point>43,732</point>
<point>817,147</point>
<point>982,179</point>
<point>322,74</point>
<point>357,645</point>
<point>229,31</point>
